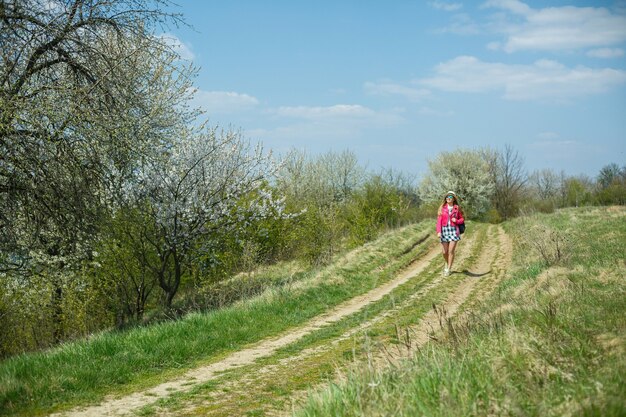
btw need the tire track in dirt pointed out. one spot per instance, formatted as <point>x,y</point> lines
<point>496,253</point>
<point>125,405</point>
<point>500,266</point>
<point>409,273</point>
<point>491,266</point>
<point>268,371</point>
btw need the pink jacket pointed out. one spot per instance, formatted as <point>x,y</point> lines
<point>442,219</point>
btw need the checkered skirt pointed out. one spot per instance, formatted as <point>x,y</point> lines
<point>449,234</point>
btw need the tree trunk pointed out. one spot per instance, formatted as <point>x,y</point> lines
<point>57,313</point>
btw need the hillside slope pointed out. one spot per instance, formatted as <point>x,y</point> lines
<point>267,377</point>
<point>550,340</point>
<point>114,364</point>
<point>513,331</point>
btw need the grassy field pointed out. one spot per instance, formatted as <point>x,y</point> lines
<point>549,341</point>
<point>272,384</point>
<point>86,371</point>
<point>546,337</point>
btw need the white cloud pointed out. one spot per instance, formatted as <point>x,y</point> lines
<point>448,7</point>
<point>550,153</point>
<point>606,53</point>
<point>494,46</point>
<point>180,47</point>
<point>543,80</point>
<point>340,116</point>
<point>550,145</point>
<point>326,123</point>
<point>554,145</point>
<point>388,88</point>
<point>462,24</point>
<point>514,6</point>
<point>221,102</point>
<point>548,135</point>
<point>557,28</point>
<point>350,115</point>
<point>318,113</point>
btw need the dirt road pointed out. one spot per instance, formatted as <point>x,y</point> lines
<point>481,276</point>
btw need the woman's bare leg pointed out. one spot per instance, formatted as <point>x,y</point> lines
<point>444,248</point>
<point>450,257</point>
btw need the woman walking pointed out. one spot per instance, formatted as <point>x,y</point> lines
<point>448,221</point>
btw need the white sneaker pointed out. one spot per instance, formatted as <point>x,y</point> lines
<point>446,272</point>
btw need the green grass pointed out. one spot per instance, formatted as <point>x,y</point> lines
<point>84,372</point>
<point>257,389</point>
<point>559,348</point>
<point>555,350</point>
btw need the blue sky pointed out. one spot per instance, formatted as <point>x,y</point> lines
<point>399,81</point>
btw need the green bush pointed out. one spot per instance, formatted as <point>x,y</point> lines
<point>615,193</point>
<point>493,216</point>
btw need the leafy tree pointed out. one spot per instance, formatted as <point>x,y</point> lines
<point>613,194</point>
<point>294,175</point>
<point>342,173</point>
<point>323,180</point>
<point>378,204</point>
<point>610,173</point>
<point>545,184</point>
<point>81,84</point>
<point>466,173</point>
<point>507,171</point>
<point>86,91</point>
<point>403,183</point>
<point>318,188</point>
<point>122,274</point>
<point>545,190</point>
<point>612,182</point>
<point>579,191</point>
<point>208,183</point>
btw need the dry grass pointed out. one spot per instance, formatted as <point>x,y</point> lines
<point>550,341</point>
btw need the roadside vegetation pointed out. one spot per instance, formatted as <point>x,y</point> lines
<point>121,207</point>
<point>83,371</point>
<point>550,340</point>
<point>274,383</point>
